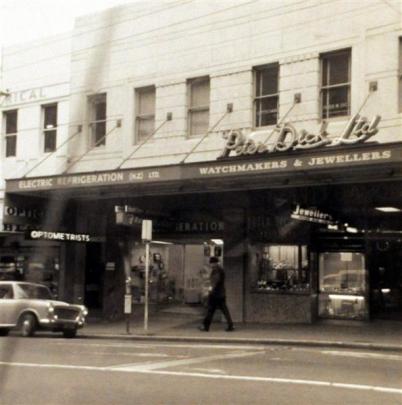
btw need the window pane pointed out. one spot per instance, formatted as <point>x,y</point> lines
<point>342,272</point>
<point>11,146</point>
<point>50,119</point>
<point>280,267</point>
<point>199,93</point>
<point>50,141</point>
<point>342,285</point>
<point>335,102</point>
<point>145,127</point>
<point>99,131</point>
<point>266,111</point>
<point>146,102</point>
<point>267,81</point>
<point>199,122</point>
<point>100,111</point>
<point>338,69</point>
<point>11,122</point>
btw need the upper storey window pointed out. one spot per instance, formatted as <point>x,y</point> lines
<point>145,112</point>
<point>335,84</point>
<point>266,98</point>
<point>11,128</point>
<point>97,111</point>
<point>50,127</point>
<point>198,105</point>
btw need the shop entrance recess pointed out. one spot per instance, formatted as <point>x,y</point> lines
<point>385,263</point>
<point>178,273</point>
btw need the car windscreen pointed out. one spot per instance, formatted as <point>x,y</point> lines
<point>34,292</point>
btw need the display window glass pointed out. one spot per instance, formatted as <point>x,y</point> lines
<point>279,268</point>
<point>342,285</point>
<point>27,266</point>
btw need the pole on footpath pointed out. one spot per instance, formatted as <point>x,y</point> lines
<point>146,286</point>
<point>146,236</point>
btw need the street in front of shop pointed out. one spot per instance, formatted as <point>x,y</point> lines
<point>94,371</point>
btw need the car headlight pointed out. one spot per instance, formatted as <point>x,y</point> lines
<point>84,311</point>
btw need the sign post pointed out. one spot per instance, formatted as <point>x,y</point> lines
<point>127,310</point>
<point>146,236</point>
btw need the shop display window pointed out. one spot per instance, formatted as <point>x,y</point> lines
<point>280,268</point>
<point>342,272</point>
<point>32,268</point>
<point>342,285</point>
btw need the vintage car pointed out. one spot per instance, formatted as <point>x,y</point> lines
<point>30,307</point>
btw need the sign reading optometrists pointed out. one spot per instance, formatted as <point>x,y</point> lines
<point>59,236</point>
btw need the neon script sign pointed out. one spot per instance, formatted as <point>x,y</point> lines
<point>358,130</point>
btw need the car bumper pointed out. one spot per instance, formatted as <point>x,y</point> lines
<point>59,324</point>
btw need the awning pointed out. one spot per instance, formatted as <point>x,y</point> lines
<point>359,163</point>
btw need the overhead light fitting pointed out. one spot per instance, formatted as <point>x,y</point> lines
<point>388,209</point>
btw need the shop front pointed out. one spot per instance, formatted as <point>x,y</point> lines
<point>302,234</point>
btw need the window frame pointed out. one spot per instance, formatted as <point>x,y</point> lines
<point>192,109</point>
<point>93,101</point>
<point>257,98</point>
<point>10,135</point>
<point>143,117</point>
<point>328,87</point>
<point>45,130</point>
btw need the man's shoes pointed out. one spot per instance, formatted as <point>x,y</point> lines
<point>203,329</point>
<point>230,328</point>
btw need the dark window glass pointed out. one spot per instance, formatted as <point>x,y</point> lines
<point>11,146</point>
<point>266,95</point>
<point>6,292</point>
<point>266,111</point>
<point>50,127</point>
<point>98,122</point>
<point>11,121</point>
<point>145,112</point>
<point>336,102</point>
<point>100,111</point>
<point>199,99</point>
<point>100,131</point>
<point>335,90</point>
<point>50,141</point>
<point>11,129</point>
<point>50,119</point>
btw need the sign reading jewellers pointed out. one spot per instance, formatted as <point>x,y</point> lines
<point>312,215</point>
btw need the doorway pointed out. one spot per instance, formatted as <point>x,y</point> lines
<point>93,276</point>
<point>386,279</point>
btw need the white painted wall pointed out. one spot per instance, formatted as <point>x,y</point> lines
<point>164,44</point>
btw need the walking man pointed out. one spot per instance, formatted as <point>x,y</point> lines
<point>217,296</point>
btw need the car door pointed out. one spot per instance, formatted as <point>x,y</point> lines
<point>7,305</point>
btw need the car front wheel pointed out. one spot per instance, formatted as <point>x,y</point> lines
<point>28,325</point>
<point>70,333</point>
<point>4,331</point>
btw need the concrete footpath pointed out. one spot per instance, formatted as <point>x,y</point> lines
<point>171,327</point>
